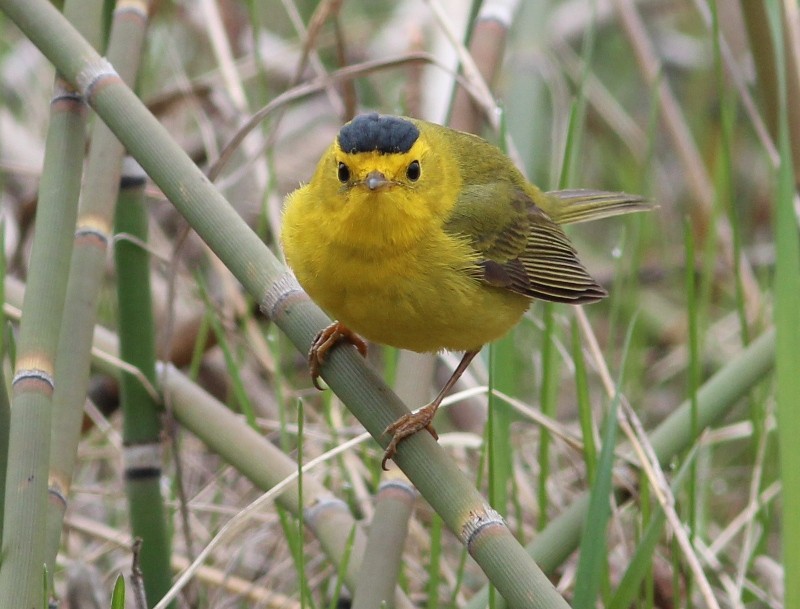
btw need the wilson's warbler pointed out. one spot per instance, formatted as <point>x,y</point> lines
<point>425,238</point>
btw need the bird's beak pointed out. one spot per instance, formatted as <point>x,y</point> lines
<point>375,180</point>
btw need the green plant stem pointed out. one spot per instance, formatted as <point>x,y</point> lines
<point>771,77</point>
<point>87,270</point>
<point>762,47</point>
<point>5,420</point>
<point>503,375</point>
<point>584,405</point>
<point>255,457</point>
<point>715,398</point>
<point>5,401</point>
<point>462,508</point>
<point>28,453</point>
<point>548,394</point>
<point>641,561</point>
<point>265,466</point>
<point>25,511</point>
<point>142,422</point>
<point>693,374</point>
<point>377,577</point>
<point>592,571</point>
<point>787,313</point>
<point>592,564</point>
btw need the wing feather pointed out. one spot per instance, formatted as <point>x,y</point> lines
<point>519,248</point>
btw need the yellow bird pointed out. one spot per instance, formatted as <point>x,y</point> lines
<point>425,238</point>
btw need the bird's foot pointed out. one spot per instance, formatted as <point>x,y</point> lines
<point>325,341</point>
<point>408,425</point>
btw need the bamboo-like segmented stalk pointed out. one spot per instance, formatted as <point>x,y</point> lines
<point>142,424</point>
<point>265,465</point>
<point>251,454</point>
<point>243,448</point>
<point>93,232</point>
<point>559,539</point>
<point>715,398</point>
<point>23,548</point>
<point>377,577</point>
<point>25,512</point>
<point>461,506</point>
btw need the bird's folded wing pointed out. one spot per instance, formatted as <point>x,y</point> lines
<point>519,248</point>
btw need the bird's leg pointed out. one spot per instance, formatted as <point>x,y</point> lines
<point>412,422</point>
<point>325,341</point>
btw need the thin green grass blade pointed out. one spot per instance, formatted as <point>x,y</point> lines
<point>5,420</point>
<point>548,394</point>
<point>3,270</point>
<point>648,602</point>
<point>5,401</point>
<point>300,559</point>
<point>503,374</point>
<point>295,543</point>
<point>118,595</point>
<point>724,172</point>
<point>237,384</point>
<point>593,552</point>
<point>787,328</point>
<point>639,567</point>
<point>593,549</point>
<point>199,348</point>
<point>694,363</point>
<point>578,115</point>
<point>341,572</point>
<point>569,145</point>
<point>584,405</point>
<point>432,587</point>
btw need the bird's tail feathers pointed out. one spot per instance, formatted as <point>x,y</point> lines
<point>573,206</point>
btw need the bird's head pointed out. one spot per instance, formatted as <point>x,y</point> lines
<point>387,167</point>
<point>379,153</point>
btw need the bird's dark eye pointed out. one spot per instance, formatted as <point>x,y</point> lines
<point>343,173</point>
<point>413,171</point>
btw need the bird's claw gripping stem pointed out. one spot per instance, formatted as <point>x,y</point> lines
<point>408,425</point>
<point>413,422</point>
<point>324,341</point>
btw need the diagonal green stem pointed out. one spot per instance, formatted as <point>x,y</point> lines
<point>715,398</point>
<point>462,508</point>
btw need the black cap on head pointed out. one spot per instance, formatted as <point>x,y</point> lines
<point>375,132</point>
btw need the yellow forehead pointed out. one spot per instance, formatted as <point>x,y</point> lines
<point>391,165</point>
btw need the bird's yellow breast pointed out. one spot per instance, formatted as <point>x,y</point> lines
<point>389,272</point>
